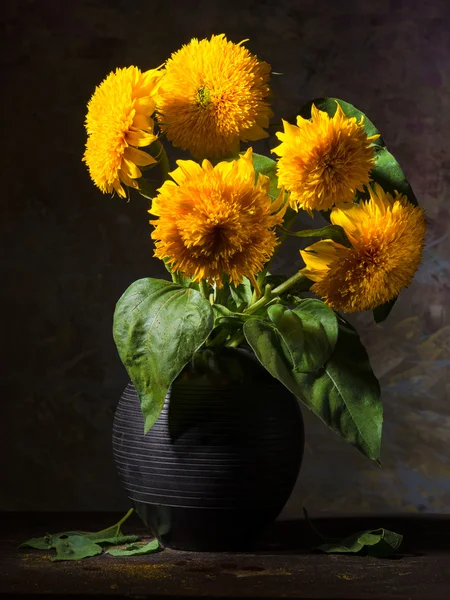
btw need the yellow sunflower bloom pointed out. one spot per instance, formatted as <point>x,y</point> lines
<point>323,161</point>
<point>118,122</point>
<point>213,95</point>
<point>216,220</point>
<point>387,236</point>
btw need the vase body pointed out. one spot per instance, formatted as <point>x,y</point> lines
<point>222,459</point>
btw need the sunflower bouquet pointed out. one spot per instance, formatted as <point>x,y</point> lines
<point>217,221</point>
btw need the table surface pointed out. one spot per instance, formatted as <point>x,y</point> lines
<point>284,566</point>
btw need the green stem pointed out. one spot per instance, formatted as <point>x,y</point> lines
<point>238,337</point>
<point>289,220</point>
<point>125,517</point>
<point>236,340</point>
<point>281,289</point>
<point>204,289</point>
<point>220,338</point>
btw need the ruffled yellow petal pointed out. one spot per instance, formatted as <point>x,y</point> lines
<point>118,112</point>
<point>145,105</point>
<point>213,95</point>
<point>318,258</point>
<point>324,161</point>
<point>387,235</point>
<point>186,169</point>
<point>216,220</point>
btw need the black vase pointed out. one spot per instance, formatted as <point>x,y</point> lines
<point>222,459</point>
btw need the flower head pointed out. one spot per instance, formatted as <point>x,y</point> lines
<point>387,238</point>
<point>213,95</point>
<point>215,220</point>
<point>118,122</point>
<point>323,161</point>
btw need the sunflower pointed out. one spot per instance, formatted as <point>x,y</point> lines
<point>323,161</point>
<point>216,220</point>
<point>118,122</point>
<point>387,239</point>
<point>212,96</point>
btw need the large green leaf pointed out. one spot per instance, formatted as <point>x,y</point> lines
<point>304,339</point>
<point>158,326</point>
<point>309,333</point>
<point>324,314</point>
<point>345,394</point>
<point>388,173</point>
<point>329,106</point>
<point>290,330</point>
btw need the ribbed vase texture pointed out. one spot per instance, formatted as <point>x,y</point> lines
<point>220,462</point>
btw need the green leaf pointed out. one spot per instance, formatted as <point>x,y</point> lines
<point>158,326</point>
<point>289,327</point>
<point>317,349</point>
<point>135,549</point>
<point>306,343</point>
<point>75,547</point>
<point>242,293</point>
<point>112,535</point>
<point>388,173</point>
<point>148,188</point>
<point>345,394</point>
<point>329,106</point>
<point>381,313</point>
<point>333,232</point>
<point>42,543</point>
<point>374,542</point>
<point>268,167</point>
<point>324,314</point>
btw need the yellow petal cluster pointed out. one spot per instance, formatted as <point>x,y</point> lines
<point>119,121</point>
<point>212,96</point>
<point>216,220</point>
<point>387,237</point>
<point>323,161</point>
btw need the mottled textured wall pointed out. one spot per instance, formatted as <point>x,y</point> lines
<point>70,252</point>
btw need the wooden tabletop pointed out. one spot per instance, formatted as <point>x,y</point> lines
<point>284,566</point>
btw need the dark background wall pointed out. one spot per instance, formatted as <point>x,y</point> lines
<point>69,251</point>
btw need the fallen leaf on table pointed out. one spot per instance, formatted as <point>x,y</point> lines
<point>74,545</point>
<point>135,549</point>
<point>375,542</point>
<point>372,542</point>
